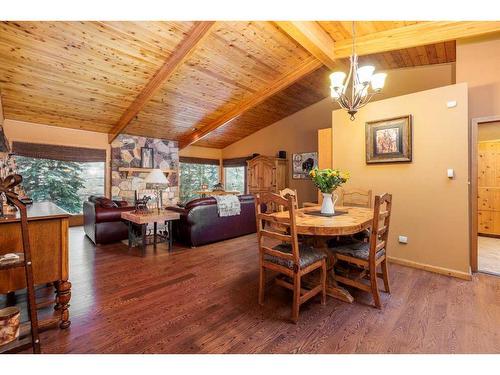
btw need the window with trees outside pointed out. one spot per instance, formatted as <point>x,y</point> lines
<point>67,182</point>
<point>235,171</point>
<point>195,172</point>
<point>235,179</point>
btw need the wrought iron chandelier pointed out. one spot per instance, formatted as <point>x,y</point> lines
<point>354,94</point>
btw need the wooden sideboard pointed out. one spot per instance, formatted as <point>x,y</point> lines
<point>48,234</point>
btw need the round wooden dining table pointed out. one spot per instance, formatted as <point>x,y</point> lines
<point>317,230</point>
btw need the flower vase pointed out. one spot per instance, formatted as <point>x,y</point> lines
<point>328,205</point>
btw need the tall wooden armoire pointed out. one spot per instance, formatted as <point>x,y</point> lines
<point>267,174</point>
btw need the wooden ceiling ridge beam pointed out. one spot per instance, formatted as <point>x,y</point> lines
<point>415,35</point>
<point>312,37</point>
<point>196,35</point>
<point>308,66</point>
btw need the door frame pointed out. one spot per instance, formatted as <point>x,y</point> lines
<point>473,160</point>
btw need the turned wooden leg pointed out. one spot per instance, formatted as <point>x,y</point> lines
<point>385,276</point>
<point>63,295</point>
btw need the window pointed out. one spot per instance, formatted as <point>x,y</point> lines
<point>66,176</point>
<point>235,179</point>
<point>195,172</point>
<point>235,174</point>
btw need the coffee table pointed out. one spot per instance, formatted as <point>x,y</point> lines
<point>142,219</point>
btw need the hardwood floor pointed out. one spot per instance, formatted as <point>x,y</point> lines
<point>204,300</point>
<point>488,249</point>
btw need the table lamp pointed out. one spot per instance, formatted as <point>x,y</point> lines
<point>156,180</point>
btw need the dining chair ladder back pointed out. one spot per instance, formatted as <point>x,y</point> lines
<point>369,255</point>
<point>355,197</point>
<point>288,258</point>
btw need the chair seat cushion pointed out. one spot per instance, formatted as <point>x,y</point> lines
<point>308,256</point>
<point>355,249</point>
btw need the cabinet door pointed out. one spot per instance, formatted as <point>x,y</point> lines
<point>253,173</point>
<point>488,198</point>
<point>267,176</point>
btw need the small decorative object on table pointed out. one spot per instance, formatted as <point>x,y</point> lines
<point>218,187</point>
<point>141,204</point>
<point>327,180</point>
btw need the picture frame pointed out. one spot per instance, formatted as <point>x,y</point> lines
<point>147,157</point>
<point>302,163</point>
<point>389,140</point>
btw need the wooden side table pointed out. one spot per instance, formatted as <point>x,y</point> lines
<point>143,219</point>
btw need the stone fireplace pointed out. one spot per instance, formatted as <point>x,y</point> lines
<point>126,153</point>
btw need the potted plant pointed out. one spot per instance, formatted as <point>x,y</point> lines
<point>327,180</point>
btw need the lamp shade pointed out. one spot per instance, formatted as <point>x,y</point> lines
<point>156,176</point>
<point>378,81</point>
<point>365,73</point>
<point>337,80</point>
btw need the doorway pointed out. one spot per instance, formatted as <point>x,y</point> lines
<point>485,195</point>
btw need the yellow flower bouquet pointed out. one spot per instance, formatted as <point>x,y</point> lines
<point>327,180</point>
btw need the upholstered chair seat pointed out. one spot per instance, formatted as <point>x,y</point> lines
<point>355,249</point>
<point>308,255</point>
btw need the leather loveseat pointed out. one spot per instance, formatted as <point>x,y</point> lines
<point>201,224</point>
<point>102,221</point>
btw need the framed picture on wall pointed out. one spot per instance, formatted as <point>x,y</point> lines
<point>147,157</point>
<point>302,164</point>
<point>389,141</point>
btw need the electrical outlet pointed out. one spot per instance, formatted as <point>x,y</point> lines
<point>403,239</point>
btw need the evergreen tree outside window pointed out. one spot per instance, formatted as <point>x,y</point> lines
<point>66,183</point>
<point>193,176</point>
<point>235,179</point>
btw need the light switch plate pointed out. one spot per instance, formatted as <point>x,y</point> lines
<point>403,239</point>
<point>450,173</point>
<point>451,103</point>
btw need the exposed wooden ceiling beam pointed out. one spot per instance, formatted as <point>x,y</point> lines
<point>311,36</point>
<point>181,54</point>
<point>308,66</point>
<point>414,35</point>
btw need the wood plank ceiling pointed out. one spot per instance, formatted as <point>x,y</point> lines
<point>86,75</point>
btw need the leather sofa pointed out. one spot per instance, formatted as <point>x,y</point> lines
<point>102,221</point>
<point>201,224</point>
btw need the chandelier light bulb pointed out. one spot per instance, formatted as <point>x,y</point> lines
<point>334,93</point>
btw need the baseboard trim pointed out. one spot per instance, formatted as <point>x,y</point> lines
<point>430,268</point>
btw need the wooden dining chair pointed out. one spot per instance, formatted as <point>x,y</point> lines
<point>368,255</point>
<point>288,257</point>
<point>354,197</point>
<point>289,192</point>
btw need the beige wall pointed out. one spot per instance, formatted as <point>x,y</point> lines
<point>488,131</point>
<point>38,133</point>
<point>428,207</point>
<point>478,64</point>
<point>295,133</point>
<point>298,132</point>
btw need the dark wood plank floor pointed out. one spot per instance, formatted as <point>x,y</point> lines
<point>204,300</point>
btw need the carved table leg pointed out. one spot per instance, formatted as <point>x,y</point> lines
<point>63,295</point>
